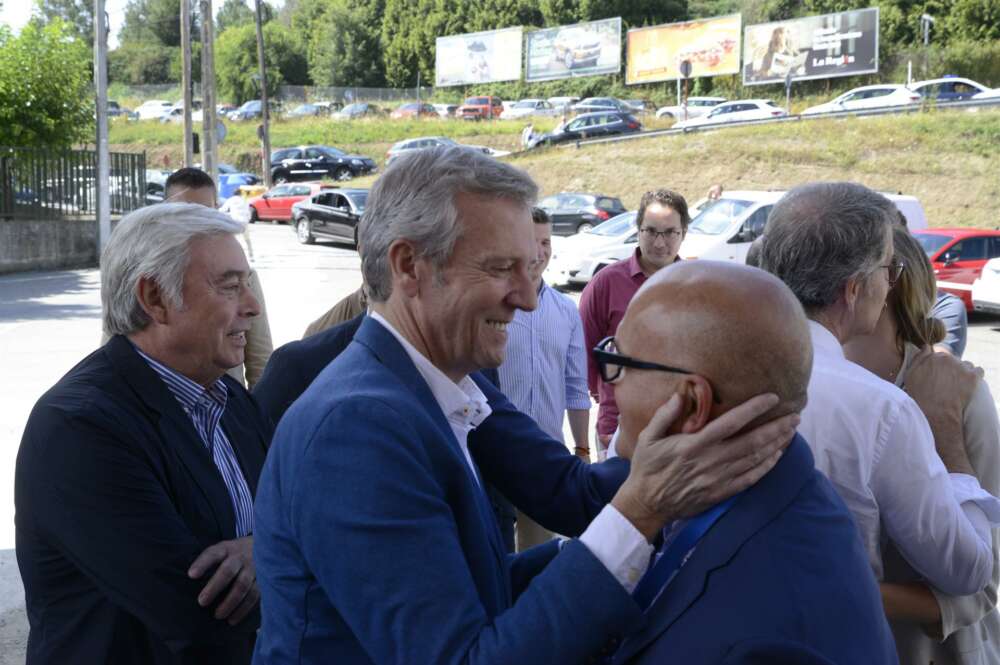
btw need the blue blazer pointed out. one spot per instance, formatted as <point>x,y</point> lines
<point>375,542</point>
<point>116,495</point>
<point>782,578</point>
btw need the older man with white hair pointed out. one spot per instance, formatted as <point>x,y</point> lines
<point>136,473</point>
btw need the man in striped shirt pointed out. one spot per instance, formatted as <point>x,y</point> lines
<point>544,373</point>
<point>136,473</point>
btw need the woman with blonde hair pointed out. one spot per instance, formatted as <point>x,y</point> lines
<point>929,626</point>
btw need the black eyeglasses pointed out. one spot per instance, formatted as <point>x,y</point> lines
<point>611,364</point>
<point>653,234</point>
<point>895,271</point>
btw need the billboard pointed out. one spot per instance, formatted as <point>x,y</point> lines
<point>814,47</point>
<point>583,49</point>
<point>478,57</point>
<point>712,46</point>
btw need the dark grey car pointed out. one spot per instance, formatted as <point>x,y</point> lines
<point>331,213</point>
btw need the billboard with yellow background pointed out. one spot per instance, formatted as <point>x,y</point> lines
<point>711,45</point>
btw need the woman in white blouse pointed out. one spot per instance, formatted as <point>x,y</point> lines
<point>929,626</point>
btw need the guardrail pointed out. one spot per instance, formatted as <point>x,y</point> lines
<point>62,184</point>
<point>890,110</point>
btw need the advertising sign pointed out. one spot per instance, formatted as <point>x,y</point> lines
<point>478,57</point>
<point>712,46</point>
<point>813,47</point>
<point>583,49</point>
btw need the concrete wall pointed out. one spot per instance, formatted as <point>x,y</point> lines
<point>47,244</point>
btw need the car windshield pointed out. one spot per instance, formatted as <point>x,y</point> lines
<point>931,242</point>
<point>331,152</point>
<point>616,226</point>
<point>477,101</point>
<point>353,108</point>
<point>527,104</point>
<point>359,199</point>
<point>716,217</point>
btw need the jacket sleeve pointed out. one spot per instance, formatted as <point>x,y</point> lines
<point>94,495</point>
<point>594,315</point>
<point>538,474</point>
<point>387,550</point>
<point>280,384</point>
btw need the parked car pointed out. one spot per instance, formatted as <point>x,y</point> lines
<point>593,104</point>
<point>867,97</point>
<point>312,162</point>
<point>696,108</point>
<point>529,108</point>
<point>986,289</point>
<point>230,183</point>
<point>421,143</point>
<point>156,183</point>
<point>575,212</point>
<point>480,108</point>
<point>252,110</point>
<point>562,103</point>
<point>276,203</point>
<point>414,110</point>
<point>569,253</point>
<point>358,110</point>
<point>115,110</point>
<point>739,111</point>
<point>307,111</point>
<point>152,109</point>
<point>176,112</point>
<point>958,256</point>
<point>575,47</point>
<point>446,110</point>
<point>588,126</point>
<point>948,89</point>
<point>224,109</point>
<point>331,213</point>
<point>988,94</point>
<point>723,230</point>
<point>328,108</point>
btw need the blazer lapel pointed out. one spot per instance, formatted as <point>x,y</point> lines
<point>755,509</point>
<point>391,353</point>
<point>176,430</point>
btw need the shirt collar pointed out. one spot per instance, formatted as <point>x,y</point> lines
<point>189,394</point>
<point>462,403</point>
<point>634,267</point>
<point>824,341</point>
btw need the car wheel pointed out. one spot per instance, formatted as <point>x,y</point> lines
<point>303,231</point>
<point>568,60</point>
<point>585,226</point>
<point>342,173</point>
<point>667,116</point>
<point>254,217</point>
<point>280,178</point>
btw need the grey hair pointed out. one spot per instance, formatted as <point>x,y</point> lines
<point>415,200</point>
<point>153,242</point>
<point>821,234</point>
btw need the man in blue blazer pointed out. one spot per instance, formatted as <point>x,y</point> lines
<point>778,574</point>
<point>136,473</point>
<point>375,542</point>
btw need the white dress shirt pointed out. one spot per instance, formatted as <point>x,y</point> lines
<point>876,447</point>
<point>610,537</point>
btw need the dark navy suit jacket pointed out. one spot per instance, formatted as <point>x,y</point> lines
<point>116,496</point>
<point>375,542</point>
<point>781,579</point>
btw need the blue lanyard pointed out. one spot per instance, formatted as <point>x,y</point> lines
<point>673,556</point>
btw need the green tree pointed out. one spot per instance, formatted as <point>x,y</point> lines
<point>240,12</point>
<point>78,14</point>
<point>143,63</point>
<point>45,86</point>
<point>975,20</point>
<point>236,61</point>
<point>345,44</point>
<point>156,21</point>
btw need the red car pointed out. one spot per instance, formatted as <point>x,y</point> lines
<point>480,108</point>
<point>414,111</point>
<point>958,256</point>
<point>276,203</point>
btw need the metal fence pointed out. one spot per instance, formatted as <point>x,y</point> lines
<point>62,184</point>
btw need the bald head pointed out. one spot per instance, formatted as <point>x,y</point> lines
<point>738,328</point>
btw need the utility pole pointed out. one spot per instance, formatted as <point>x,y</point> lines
<point>102,179</point>
<point>186,80</point>
<point>209,155</point>
<point>265,111</point>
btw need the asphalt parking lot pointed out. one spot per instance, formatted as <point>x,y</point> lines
<point>49,321</point>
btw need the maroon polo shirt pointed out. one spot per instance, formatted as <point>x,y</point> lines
<point>602,307</point>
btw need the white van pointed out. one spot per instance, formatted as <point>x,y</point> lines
<point>723,230</point>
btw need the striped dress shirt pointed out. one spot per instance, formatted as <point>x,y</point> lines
<point>204,406</point>
<point>545,368</point>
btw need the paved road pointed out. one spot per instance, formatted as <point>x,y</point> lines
<point>49,321</point>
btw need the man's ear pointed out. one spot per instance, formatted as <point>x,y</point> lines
<point>152,300</point>
<point>403,267</point>
<point>852,291</point>
<point>698,401</point>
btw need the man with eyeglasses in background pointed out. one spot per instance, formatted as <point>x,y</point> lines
<point>662,221</point>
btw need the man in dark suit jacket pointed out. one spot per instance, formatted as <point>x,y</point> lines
<point>136,473</point>
<point>777,574</point>
<point>374,539</point>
